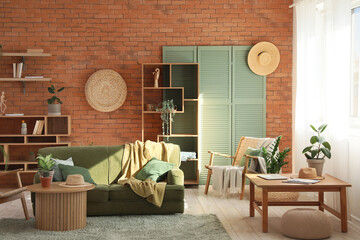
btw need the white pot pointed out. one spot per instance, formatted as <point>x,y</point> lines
<point>54,109</point>
<point>318,164</point>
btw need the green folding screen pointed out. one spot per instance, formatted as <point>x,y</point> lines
<point>232,98</point>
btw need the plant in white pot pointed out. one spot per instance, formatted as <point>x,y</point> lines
<point>46,172</point>
<point>54,103</point>
<point>318,150</point>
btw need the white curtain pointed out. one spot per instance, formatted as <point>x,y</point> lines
<point>322,76</point>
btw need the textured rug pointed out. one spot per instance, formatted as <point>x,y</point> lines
<point>178,226</point>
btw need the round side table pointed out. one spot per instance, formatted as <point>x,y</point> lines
<point>60,208</point>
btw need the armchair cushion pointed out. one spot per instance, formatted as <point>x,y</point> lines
<point>252,152</point>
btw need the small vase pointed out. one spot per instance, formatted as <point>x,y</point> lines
<point>46,178</point>
<point>318,164</point>
<point>54,109</point>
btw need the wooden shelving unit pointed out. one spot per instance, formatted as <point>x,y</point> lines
<point>24,80</point>
<point>18,147</point>
<point>174,77</point>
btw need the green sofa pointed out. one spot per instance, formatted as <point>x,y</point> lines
<point>110,198</point>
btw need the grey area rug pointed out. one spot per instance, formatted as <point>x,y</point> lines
<point>177,226</point>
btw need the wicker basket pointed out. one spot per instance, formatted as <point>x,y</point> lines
<point>277,196</point>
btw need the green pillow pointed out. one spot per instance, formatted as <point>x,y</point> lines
<point>252,152</point>
<point>69,170</point>
<point>154,169</point>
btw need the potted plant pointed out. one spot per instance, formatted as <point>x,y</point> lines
<point>6,157</point>
<point>46,173</point>
<point>318,150</point>
<point>275,159</point>
<point>167,110</point>
<point>54,103</point>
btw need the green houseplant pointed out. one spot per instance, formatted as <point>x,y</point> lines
<point>46,173</point>
<point>275,159</point>
<point>167,110</point>
<point>54,103</point>
<point>318,150</point>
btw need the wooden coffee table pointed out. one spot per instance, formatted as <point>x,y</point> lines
<point>60,208</point>
<point>329,184</point>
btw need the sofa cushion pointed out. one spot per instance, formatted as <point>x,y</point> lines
<point>154,169</point>
<point>57,172</point>
<point>99,194</point>
<point>118,192</point>
<point>70,170</point>
<point>93,158</point>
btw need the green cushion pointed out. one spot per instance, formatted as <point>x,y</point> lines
<point>57,172</point>
<point>69,170</point>
<point>252,152</point>
<point>154,169</point>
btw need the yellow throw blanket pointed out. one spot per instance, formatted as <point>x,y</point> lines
<point>137,154</point>
<point>152,191</point>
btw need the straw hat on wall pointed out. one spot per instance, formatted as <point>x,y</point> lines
<point>263,58</point>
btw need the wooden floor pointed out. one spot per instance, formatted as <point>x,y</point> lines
<point>232,212</point>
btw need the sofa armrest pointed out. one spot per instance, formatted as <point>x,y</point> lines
<point>175,177</point>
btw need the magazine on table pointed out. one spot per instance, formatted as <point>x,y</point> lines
<point>301,181</point>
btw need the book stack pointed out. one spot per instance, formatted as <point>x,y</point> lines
<point>17,69</point>
<point>39,127</point>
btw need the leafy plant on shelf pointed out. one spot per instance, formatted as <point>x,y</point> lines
<point>275,159</point>
<point>54,98</point>
<point>319,148</point>
<point>167,110</point>
<point>45,164</point>
<point>6,157</point>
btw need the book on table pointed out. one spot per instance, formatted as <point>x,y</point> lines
<point>301,181</point>
<point>272,176</point>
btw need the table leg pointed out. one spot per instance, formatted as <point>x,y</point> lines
<point>265,210</point>
<point>343,209</point>
<point>252,199</point>
<point>321,200</point>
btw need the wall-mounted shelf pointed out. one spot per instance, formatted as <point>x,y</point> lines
<point>25,79</point>
<point>23,55</point>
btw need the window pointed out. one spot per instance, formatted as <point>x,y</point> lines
<point>355,62</point>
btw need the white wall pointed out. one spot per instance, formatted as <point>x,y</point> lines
<point>354,176</point>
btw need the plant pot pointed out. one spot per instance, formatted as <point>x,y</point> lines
<point>54,109</point>
<point>46,178</point>
<point>318,164</point>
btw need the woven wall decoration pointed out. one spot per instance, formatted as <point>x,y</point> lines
<point>105,90</point>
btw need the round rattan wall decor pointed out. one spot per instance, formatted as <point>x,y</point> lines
<point>105,90</point>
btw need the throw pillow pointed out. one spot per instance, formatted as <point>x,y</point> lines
<point>154,169</point>
<point>252,152</point>
<point>69,170</point>
<point>57,172</point>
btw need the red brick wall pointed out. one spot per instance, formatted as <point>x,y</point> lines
<point>86,36</point>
